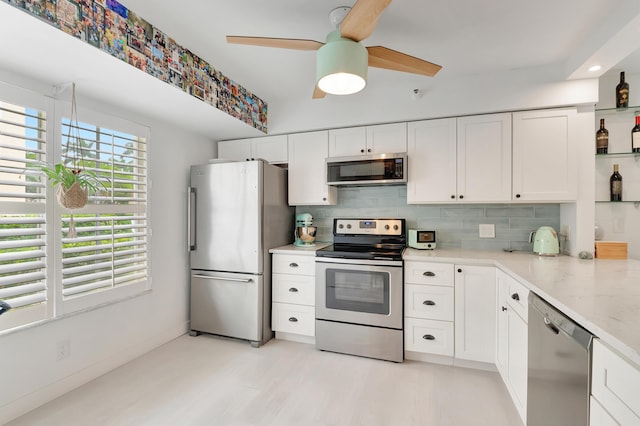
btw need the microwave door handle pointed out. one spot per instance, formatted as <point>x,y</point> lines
<point>191,218</point>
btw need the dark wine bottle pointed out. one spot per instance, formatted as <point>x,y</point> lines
<point>615,185</point>
<point>602,139</point>
<point>622,93</point>
<point>635,135</point>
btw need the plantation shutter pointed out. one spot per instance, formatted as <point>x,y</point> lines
<point>23,275</point>
<point>110,247</point>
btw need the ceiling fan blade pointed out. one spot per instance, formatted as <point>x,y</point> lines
<point>282,43</point>
<point>382,57</point>
<point>362,19</point>
<point>317,93</point>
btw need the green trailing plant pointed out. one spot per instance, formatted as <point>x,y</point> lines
<point>66,177</point>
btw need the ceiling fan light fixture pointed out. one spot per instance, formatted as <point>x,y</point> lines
<point>341,67</point>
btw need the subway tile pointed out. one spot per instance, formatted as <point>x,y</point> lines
<point>462,212</point>
<point>484,244</point>
<point>515,211</point>
<point>547,211</point>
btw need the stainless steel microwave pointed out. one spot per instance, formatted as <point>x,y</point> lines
<point>374,169</point>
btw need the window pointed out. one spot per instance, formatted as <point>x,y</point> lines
<point>43,272</point>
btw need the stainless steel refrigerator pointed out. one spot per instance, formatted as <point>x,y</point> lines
<point>237,212</point>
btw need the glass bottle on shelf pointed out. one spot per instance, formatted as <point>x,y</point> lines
<point>635,134</point>
<point>615,185</point>
<point>622,93</point>
<point>602,139</point>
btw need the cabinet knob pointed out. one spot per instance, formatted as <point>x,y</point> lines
<point>453,197</point>
<point>324,198</point>
<point>362,151</point>
<point>429,303</point>
<point>293,319</point>
<point>369,150</point>
<point>504,308</point>
<point>429,274</point>
<point>517,195</point>
<point>293,265</point>
<point>515,296</point>
<point>293,290</point>
<point>461,197</point>
<point>459,270</point>
<point>428,337</point>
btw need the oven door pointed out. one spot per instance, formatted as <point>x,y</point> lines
<point>359,294</point>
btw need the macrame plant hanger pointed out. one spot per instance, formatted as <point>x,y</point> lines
<point>74,197</point>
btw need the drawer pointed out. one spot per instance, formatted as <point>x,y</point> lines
<point>615,383</point>
<point>428,302</point>
<point>428,273</point>
<point>428,336</point>
<point>518,298</point>
<point>296,289</point>
<point>296,319</point>
<point>292,264</point>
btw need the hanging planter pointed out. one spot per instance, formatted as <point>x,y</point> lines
<point>74,182</point>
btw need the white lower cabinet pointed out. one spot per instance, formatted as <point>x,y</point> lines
<point>293,295</point>
<point>512,339</point>
<point>429,308</point>
<point>475,313</point>
<point>615,385</point>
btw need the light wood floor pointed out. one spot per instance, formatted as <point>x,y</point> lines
<point>206,380</point>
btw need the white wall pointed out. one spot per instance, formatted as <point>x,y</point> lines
<point>105,338</point>
<point>619,222</point>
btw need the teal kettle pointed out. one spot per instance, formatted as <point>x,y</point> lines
<point>545,241</point>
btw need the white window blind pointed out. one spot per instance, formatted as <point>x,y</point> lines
<point>110,247</point>
<point>23,278</point>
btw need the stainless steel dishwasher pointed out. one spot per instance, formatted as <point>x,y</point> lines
<point>558,368</point>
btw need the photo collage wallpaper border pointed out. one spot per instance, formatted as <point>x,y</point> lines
<point>111,27</point>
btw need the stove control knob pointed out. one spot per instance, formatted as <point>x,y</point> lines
<point>341,226</point>
<point>395,227</point>
<point>386,227</point>
<point>348,226</point>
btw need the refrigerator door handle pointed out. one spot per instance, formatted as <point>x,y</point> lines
<point>209,277</point>
<point>191,218</point>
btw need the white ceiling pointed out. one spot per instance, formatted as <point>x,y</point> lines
<point>467,37</point>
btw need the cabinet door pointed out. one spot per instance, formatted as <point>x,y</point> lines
<point>484,158</point>
<point>307,180</point>
<point>517,342</point>
<point>544,155</point>
<point>501,324</point>
<point>598,416</point>
<point>431,149</point>
<point>475,313</point>
<point>387,138</point>
<point>270,148</point>
<point>239,149</point>
<point>348,141</point>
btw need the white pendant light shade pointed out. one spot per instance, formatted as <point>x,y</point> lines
<point>341,67</point>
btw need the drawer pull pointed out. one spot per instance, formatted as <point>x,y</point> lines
<point>429,274</point>
<point>515,296</point>
<point>428,337</point>
<point>293,290</point>
<point>429,303</point>
<point>293,265</point>
<point>504,308</point>
<point>293,319</point>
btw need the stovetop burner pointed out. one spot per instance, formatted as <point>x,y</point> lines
<point>383,239</point>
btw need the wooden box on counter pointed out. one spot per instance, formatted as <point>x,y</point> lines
<point>611,250</point>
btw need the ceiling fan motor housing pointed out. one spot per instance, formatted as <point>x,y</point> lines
<point>342,64</point>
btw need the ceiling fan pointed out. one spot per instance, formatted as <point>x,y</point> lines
<point>342,61</point>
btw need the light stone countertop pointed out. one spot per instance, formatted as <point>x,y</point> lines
<point>601,295</point>
<point>297,250</point>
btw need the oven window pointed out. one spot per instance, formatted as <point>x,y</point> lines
<point>358,291</point>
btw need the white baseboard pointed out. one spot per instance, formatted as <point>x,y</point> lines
<point>109,362</point>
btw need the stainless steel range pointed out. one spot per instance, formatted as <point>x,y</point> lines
<point>359,294</point>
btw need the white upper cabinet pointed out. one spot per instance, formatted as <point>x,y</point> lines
<point>460,160</point>
<point>381,139</point>
<point>269,148</point>
<point>544,155</point>
<point>431,150</point>
<point>484,158</point>
<point>307,180</point>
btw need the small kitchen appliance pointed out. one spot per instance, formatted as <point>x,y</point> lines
<point>545,241</point>
<point>421,240</point>
<point>305,233</point>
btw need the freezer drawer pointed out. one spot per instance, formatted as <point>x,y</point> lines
<point>227,304</point>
